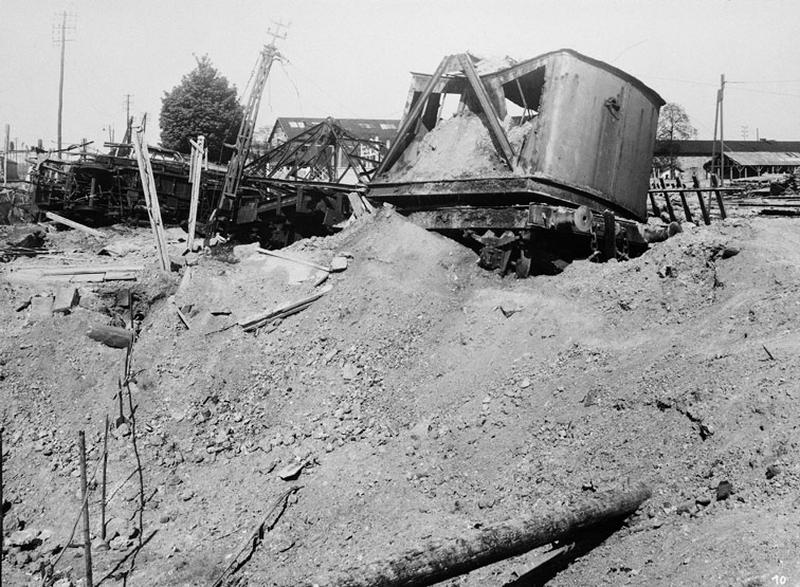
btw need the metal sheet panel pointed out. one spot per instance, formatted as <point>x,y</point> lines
<point>596,131</point>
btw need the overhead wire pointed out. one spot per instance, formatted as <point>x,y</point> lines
<point>327,95</point>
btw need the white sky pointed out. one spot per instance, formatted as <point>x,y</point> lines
<point>352,58</point>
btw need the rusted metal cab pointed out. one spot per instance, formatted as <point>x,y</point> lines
<point>583,135</point>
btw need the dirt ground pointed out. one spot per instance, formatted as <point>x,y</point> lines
<point>422,396</point>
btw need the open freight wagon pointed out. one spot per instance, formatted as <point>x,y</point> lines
<point>535,161</point>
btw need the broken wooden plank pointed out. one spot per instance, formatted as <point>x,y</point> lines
<point>66,298</point>
<point>75,225</point>
<point>88,269</point>
<point>151,196</point>
<point>286,257</point>
<point>119,276</point>
<point>196,169</point>
<point>183,318</point>
<point>113,336</point>
<point>286,309</point>
<point>81,278</point>
<point>41,307</point>
<point>438,560</point>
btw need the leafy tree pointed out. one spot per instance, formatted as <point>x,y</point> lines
<point>203,103</point>
<point>673,125</point>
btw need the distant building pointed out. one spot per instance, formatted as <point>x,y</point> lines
<point>742,158</point>
<point>373,129</point>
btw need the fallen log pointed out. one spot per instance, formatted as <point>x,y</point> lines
<point>113,336</point>
<point>75,225</point>
<point>438,560</point>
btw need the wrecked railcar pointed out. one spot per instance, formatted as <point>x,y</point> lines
<point>105,188</point>
<point>561,141</point>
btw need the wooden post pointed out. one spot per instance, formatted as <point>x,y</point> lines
<point>495,128</point>
<point>103,489</point>
<point>1,492</point>
<point>438,560</point>
<point>87,542</point>
<point>195,174</point>
<point>609,235</point>
<point>687,213</point>
<point>5,154</point>
<point>151,196</point>
<point>720,203</point>
<point>656,210</point>
<point>703,209</point>
<point>670,210</point>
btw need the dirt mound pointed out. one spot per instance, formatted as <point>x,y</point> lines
<point>457,148</point>
<point>421,396</point>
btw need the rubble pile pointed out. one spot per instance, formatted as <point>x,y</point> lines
<point>15,205</point>
<point>416,397</point>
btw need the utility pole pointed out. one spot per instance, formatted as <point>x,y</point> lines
<point>128,120</point>
<point>62,28</point>
<point>5,155</point>
<point>721,130</point>
<point>718,124</point>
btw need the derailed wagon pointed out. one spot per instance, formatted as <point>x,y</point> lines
<point>541,161</point>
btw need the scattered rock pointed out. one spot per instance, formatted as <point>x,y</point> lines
<point>702,500</point>
<point>349,372</point>
<point>667,271</point>
<point>772,471</point>
<point>290,471</point>
<point>119,527</point>
<point>724,490</point>
<point>338,264</point>
<point>23,539</point>
<point>525,383</point>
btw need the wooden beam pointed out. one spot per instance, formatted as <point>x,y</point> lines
<point>703,209</point>
<point>687,213</point>
<point>718,194</point>
<point>438,560</point>
<point>609,235</point>
<point>89,269</point>
<point>495,128</point>
<point>195,175</point>
<point>670,210</point>
<point>286,257</point>
<point>410,122</point>
<point>253,322</point>
<point>75,225</point>
<point>151,197</point>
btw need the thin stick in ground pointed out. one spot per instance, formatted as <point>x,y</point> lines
<point>132,420</point>
<point>87,541</point>
<point>103,489</point>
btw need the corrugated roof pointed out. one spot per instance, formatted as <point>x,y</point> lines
<point>763,158</point>
<point>382,129</point>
